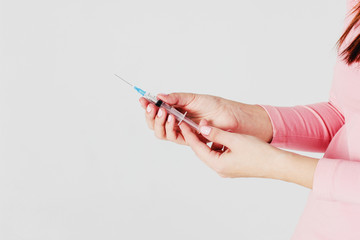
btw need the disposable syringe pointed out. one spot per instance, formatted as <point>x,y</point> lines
<point>180,117</point>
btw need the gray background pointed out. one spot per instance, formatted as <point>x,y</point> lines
<point>77,160</point>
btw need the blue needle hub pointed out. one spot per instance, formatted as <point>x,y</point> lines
<point>139,90</point>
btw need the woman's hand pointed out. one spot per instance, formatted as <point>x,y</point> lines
<point>239,155</point>
<point>232,154</point>
<point>219,112</point>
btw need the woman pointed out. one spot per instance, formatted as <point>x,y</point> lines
<point>241,134</point>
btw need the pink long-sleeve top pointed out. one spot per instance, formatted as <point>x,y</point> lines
<point>333,207</point>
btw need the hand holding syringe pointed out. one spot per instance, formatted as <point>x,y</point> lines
<point>180,117</point>
<point>231,154</point>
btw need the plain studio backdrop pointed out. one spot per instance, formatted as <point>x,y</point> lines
<point>77,159</point>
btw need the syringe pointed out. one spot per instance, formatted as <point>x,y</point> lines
<point>180,117</point>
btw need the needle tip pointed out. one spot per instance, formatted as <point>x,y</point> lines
<point>123,80</point>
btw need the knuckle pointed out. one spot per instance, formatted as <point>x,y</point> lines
<point>169,133</point>
<point>149,120</point>
<point>150,125</point>
<point>220,170</point>
<point>170,137</point>
<point>226,174</point>
<point>222,175</point>
<point>158,121</point>
<point>159,135</point>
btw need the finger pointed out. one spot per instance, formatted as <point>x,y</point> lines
<point>179,99</point>
<point>203,122</point>
<point>159,126</point>
<point>143,102</point>
<point>214,146</point>
<point>200,148</point>
<point>150,114</point>
<point>217,135</point>
<point>172,132</point>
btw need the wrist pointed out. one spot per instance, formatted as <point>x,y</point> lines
<point>294,168</point>
<point>256,122</point>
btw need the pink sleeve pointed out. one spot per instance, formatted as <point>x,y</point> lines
<point>304,128</point>
<point>337,180</point>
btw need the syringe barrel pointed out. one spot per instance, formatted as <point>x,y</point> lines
<point>150,98</point>
<point>180,117</point>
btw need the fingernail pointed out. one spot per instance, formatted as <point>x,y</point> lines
<point>160,113</point>
<point>170,118</point>
<point>205,130</point>
<point>148,109</point>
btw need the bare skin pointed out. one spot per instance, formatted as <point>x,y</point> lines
<point>219,112</point>
<point>240,134</point>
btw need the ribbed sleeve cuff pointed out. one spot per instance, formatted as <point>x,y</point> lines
<point>304,128</point>
<point>277,124</point>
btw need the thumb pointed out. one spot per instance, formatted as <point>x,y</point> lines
<point>217,135</point>
<point>179,99</point>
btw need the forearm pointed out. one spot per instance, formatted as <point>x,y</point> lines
<point>304,127</point>
<point>292,167</point>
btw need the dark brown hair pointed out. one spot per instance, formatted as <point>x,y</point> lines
<point>351,53</point>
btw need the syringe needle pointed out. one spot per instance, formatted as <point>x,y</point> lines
<point>124,80</point>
